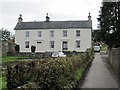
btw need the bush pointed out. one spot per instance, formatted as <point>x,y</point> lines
<point>49,73</point>
<point>17,48</point>
<point>33,48</point>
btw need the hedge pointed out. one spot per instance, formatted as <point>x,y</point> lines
<point>49,73</point>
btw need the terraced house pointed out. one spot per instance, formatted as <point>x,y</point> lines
<point>50,36</point>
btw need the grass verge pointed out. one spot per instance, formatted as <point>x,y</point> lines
<point>103,48</point>
<point>78,73</point>
<point>3,83</point>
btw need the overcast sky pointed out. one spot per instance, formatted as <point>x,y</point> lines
<point>32,10</point>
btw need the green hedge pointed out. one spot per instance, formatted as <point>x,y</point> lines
<point>49,73</point>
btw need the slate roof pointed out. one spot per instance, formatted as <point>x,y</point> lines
<point>53,25</point>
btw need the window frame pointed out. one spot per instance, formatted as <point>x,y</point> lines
<point>77,33</point>
<point>52,33</point>
<point>39,33</point>
<point>65,45</point>
<point>77,43</point>
<point>27,34</point>
<point>27,44</point>
<point>65,33</point>
<point>52,44</point>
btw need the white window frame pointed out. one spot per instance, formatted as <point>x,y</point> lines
<point>27,33</point>
<point>64,33</point>
<point>52,44</point>
<point>51,33</point>
<point>27,44</point>
<point>65,45</point>
<point>77,43</point>
<point>77,33</point>
<point>39,33</point>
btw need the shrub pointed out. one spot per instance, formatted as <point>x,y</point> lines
<point>17,48</point>
<point>33,48</point>
<point>49,73</point>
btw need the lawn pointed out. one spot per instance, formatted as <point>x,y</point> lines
<point>10,59</point>
<point>6,59</point>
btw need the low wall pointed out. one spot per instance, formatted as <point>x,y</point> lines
<point>28,54</point>
<point>114,58</point>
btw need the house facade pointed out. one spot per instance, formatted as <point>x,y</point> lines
<point>50,36</point>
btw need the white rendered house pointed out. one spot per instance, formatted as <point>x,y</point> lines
<point>50,36</point>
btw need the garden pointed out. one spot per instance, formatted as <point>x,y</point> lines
<point>47,73</point>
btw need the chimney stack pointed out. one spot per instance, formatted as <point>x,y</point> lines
<point>20,19</point>
<point>89,17</point>
<point>47,18</point>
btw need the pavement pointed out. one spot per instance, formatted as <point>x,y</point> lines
<point>99,76</point>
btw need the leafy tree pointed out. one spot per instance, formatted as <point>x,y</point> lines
<point>5,34</point>
<point>109,23</point>
<point>96,35</point>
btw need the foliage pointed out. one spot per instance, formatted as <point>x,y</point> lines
<point>33,48</point>
<point>109,19</point>
<point>49,73</point>
<point>17,48</point>
<point>3,83</point>
<point>96,35</point>
<point>5,34</point>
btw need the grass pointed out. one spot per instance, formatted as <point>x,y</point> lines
<point>10,59</point>
<point>3,82</point>
<point>103,48</point>
<point>78,73</point>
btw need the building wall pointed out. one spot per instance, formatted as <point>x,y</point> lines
<point>85,39</point>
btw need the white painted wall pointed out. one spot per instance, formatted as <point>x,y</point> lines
<point>85,38</point>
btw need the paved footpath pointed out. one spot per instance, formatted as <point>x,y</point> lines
<point>98,75</point>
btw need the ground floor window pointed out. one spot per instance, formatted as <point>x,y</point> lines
<point>51,44</point>
<point>78,44</point>
<point>26,44</point>
<point>65,45</point>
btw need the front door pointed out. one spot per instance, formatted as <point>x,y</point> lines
<point>39,47</point>
<point>64,45</point>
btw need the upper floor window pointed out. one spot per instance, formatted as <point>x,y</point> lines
<point>51,33</point>
<point>51,44</point>
<point>77,33</point>
<point>26,44</point>
<point>39,33</point>
<point>65,33</point>
<point>77,43</point>
<point>26,33</point>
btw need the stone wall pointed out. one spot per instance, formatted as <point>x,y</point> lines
<point>6,47</point>
<point>114,58</point>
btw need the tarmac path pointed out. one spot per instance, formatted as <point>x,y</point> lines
<point>99,76</point>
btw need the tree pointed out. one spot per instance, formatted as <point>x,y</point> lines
<point>109,20</point>
<point>5,34</point>
<point>96,35</point>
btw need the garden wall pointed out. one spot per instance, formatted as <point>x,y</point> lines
<point>114,58</point>
<point>49,73</point>
<point>7,46</point>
